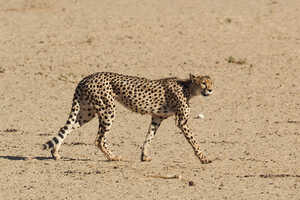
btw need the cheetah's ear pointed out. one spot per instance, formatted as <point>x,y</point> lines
<point>192,76</point>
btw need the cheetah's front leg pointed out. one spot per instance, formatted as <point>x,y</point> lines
<point>182,124</point>
<point>154,125</point>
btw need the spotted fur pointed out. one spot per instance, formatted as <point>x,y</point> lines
<point>162,98</point>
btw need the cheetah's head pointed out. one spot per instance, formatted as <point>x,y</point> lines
<point>201,84</point>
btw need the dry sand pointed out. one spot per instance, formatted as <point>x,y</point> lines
<point>252,121</point>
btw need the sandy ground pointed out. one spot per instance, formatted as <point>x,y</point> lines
<point>252,121</point>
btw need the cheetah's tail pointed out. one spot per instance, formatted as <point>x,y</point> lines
<point>50,144</point>
<point>64,131</point>
<point>44,146</point>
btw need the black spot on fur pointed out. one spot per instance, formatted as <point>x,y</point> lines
<point>55,140</point>
<point>50,144</point>
<point>61,136</point>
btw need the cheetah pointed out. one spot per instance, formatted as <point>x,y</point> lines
<point>162,98</point>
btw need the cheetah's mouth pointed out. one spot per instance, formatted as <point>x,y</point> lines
<point>206,92</point>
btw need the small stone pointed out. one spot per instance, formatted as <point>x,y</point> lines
<point>200,116</point>
<point>191,183</point>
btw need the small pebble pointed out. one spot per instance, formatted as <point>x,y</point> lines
<point>200,116</point>
<point>191,183</point>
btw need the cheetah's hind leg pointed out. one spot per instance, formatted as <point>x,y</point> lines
<point>80,114</point>
<point>106,117</point>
